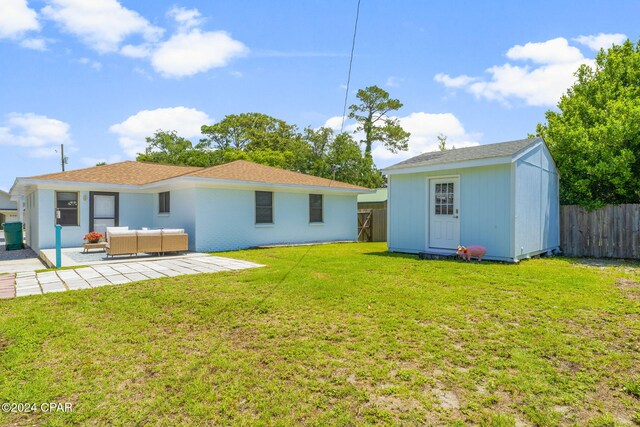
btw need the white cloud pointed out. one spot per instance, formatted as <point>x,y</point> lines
<point>393,81</point>
<point>17,18</point>
<point>555,51</point>
<point>601,40</point>
<point>39,134</point>
<point>424,129</point>
<point>101,24</point>
<point>91,63</point>
<point>185,18</point>
<point>92,161</point>
<point>186,54</point>
<point>334,123</point>
<point>136,51</point>
<point>454,82</point>
<point>541,84</point>
<point>34,43</point>
<point>133,131</point>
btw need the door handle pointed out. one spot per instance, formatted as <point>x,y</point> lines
<point>455,216</point>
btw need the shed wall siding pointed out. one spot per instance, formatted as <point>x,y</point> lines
<point>226,219</point>
<point>485,209</point>
<point>537,210</point>
<point>407,217</point>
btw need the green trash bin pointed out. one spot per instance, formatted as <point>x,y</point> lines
<point>13,235</point>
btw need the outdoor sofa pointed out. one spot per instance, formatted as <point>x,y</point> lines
<point>122,241</point>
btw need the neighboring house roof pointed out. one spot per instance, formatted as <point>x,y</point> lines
<point>378,197</point>
<point>127,173</point>
<point>459,155</point>
<point>242,170</point>
<point>133,173</point>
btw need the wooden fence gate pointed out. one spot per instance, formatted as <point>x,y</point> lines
<point>372,225</point>
<point>610,232</point>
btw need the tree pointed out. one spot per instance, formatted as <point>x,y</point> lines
<point>266,140</point>
<point>339,157</point>
<point>250,132</point>
<point>595,135</point>
<point>442,142</point>
<point>371,115</point>
<point>167,147</point>
<point>272,140</point>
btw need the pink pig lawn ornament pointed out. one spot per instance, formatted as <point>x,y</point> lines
<point>472,252</point>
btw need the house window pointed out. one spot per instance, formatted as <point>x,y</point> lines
<point>444,199</point>
<point>264,207</point>
<point>315,207</point>
<point>164,202</point>
<point>66,208</point>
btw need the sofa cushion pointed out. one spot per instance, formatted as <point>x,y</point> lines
<point>149,232</point>
<point>111,230</point>
<point>173,231</point>
<point>122,233</point>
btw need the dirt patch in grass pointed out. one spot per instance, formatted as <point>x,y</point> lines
<point>629,287</point>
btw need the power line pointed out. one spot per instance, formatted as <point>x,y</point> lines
<point>353,46</point>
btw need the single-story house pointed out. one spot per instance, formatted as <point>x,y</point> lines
<point>502,196</point>
<point>8,209</point>
<point>231,206</point>
<point>376,200</point>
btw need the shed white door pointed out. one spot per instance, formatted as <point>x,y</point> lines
<point>444,222</point>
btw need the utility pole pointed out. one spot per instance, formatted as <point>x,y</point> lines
<point>63,160</point>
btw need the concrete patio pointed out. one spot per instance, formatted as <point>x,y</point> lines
<point>75,257</point>
<point>114,273</point>
<point>18,260</point>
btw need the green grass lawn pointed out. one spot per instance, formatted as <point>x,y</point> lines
<point>341,334</point>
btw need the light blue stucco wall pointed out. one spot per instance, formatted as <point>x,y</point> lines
<point>537,210</point>
<point>485,209</point>
<point>182,212</point>
<point>225,219</point>
<point>215,219</point>
<point>135,212</point>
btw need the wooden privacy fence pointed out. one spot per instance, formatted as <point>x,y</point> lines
<point>610,232</point>
<point>372,225</point>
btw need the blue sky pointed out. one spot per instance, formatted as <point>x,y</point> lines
<point>101,75</point>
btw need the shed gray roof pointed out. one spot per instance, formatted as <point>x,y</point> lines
<point>501,149</point>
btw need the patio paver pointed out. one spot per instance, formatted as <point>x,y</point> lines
<point>31,283</point>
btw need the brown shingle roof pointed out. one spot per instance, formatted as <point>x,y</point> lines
<point>242,170</point>
<point>128,173</point>
<point>140,173</point>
